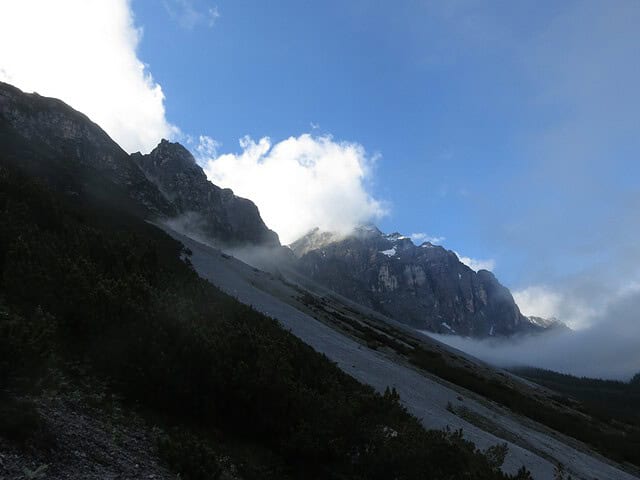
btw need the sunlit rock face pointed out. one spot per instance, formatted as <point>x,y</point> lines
<point>425,286</point>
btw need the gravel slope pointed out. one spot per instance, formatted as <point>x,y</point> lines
<point>425,398</point>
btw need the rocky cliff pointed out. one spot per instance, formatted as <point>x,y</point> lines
<point>218,212</point>
<point>424,286</point>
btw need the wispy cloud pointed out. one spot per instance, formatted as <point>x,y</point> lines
<point>421,237</point>
<point>206,149</point>
<point>100,75</point>
<point>190,15</point>
<point>538,301</point>
<point>543,301</point>
<point>301,182</point>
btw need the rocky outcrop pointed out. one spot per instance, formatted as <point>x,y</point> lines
<point>215,211</point>
<point>424,286</point>
<point>60,145</point>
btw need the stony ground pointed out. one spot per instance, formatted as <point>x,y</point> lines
<point>86,443</point>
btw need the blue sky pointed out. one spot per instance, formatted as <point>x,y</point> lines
<point>509,128</point>
<point>442,105</point>
<point>469,105</point>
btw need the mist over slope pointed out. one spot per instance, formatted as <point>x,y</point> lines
<point>428,288</point>
<point>607,349</point>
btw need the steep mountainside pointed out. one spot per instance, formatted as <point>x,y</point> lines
<point>424,286</point>
<point>118,361</point>
<point>47,138</point>
<point>220,214</point>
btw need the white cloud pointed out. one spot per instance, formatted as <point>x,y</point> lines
<point>301,183</point>
<point>84,52</point>
<point>189,16</point>
<point>577,309</point>
<point>206,149</point>
<point>477,264</point>
<point>538,301</point>
<point>420,237</point>
<point>213,14</point>
<point>542,301</point>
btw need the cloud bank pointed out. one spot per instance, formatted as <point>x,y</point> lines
<point>84,52</point>
<point>572,308</point>
<point>300,183</point>
<point>607,349</point>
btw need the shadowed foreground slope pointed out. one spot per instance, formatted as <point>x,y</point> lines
<point>436,402</point>
<point>95,298</point>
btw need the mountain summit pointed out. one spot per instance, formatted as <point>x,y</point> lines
<point>424,286</point>
<point>216,212</point>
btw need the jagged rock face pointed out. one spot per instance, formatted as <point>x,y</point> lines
<point>424,286</point>
<point>46,137</point>
<point>219,213</point>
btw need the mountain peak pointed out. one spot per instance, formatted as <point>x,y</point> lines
<point>314,239</point>
<point>175,148</point>
<point>367,229</point>
<point>219,213</point>
<point>425,286</point>
<point>171,157</point>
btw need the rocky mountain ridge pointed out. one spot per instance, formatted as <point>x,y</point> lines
<point>425,286</point>
<point>47,138</point>
<point>215,212</point>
